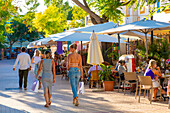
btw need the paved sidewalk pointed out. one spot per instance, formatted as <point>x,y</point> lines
<point>13,100</point>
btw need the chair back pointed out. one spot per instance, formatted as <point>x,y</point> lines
<point>130,76</point>
<point>145,80</point>
<point>86,69</point>
<point>94,75</point>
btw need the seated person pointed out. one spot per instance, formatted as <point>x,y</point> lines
<point>154,74</point>
<point>94,68</point>
<point>121,69</point>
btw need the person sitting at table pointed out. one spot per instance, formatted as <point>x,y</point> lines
<point>93,68</point>
<point>154,72</point>
<point>121,69</point>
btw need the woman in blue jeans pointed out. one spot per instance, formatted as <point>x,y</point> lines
<point>75,71</point>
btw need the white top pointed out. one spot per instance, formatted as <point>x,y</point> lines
<point>24,61</point>
<point>37,59</point>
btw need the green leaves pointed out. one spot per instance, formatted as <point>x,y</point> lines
<point>112,54</point>
<point>106,74</point>
<point>7,11</point>
<point>78,18</point>
<point>18,30</point>
<point>51,21</point>
<point>110,8</point>
<point>157,50</point>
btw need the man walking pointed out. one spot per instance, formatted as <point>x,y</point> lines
<point>24,66</point>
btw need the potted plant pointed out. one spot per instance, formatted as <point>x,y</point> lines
<point>107,77</point>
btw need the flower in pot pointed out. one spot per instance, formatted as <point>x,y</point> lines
<point>107,77</point>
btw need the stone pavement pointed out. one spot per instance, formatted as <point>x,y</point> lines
<point>13,100</point>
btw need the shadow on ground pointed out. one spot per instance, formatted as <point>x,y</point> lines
<point>6,109</point>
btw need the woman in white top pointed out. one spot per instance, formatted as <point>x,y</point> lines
<point>36,60</point>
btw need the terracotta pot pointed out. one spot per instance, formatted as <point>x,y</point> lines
<point>108,85</point>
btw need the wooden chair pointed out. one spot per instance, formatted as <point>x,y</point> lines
<point>64,72</point>
<point>129,76</point>
<point>94,78</point>
<point>146,84</point>
<point>86,68</point>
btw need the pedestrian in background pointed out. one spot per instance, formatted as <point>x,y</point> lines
<point>48,76</point>
<point>75,71</point>
<point>36,59</point>
<point>24,66</point>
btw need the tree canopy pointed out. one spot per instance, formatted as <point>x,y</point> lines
<point>111,9</point>
<point>59,11</point>
<point>17,30</point>
<point>51,21</point>
<point>78,18</point>
<point>7,11</point>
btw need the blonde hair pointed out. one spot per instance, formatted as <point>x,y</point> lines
<point>36,52</point>
<point>151,63</point>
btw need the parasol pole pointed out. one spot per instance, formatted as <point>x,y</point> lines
<point>97,76</point>
<point>146,45</point>
<point>96,72</point>
<point>82,52</point>
<point>119,44</point>
<point>128,47</point>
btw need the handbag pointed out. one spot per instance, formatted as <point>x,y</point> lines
<point>81,88</point>
<point>35,86</point>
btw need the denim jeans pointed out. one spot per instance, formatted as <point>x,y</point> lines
<point>74,76</point>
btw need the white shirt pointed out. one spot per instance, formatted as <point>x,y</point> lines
<point>24,61</point>
<point>37,59</point>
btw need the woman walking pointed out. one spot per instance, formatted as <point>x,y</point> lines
<point>48,76</point>
<point>36,60</point>
<point>75,71</point>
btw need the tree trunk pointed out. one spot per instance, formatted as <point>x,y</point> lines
<point>94,17</point>
<point>10,50</point>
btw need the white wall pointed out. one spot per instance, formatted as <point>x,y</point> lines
<point>163,17</point>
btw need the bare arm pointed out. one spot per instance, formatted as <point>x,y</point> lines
<point>53,64</point>
<point>125,67</point>
<point>68,66</point>
<point>157,72</point>
<point>39,69</point>
<point>32,61</point>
